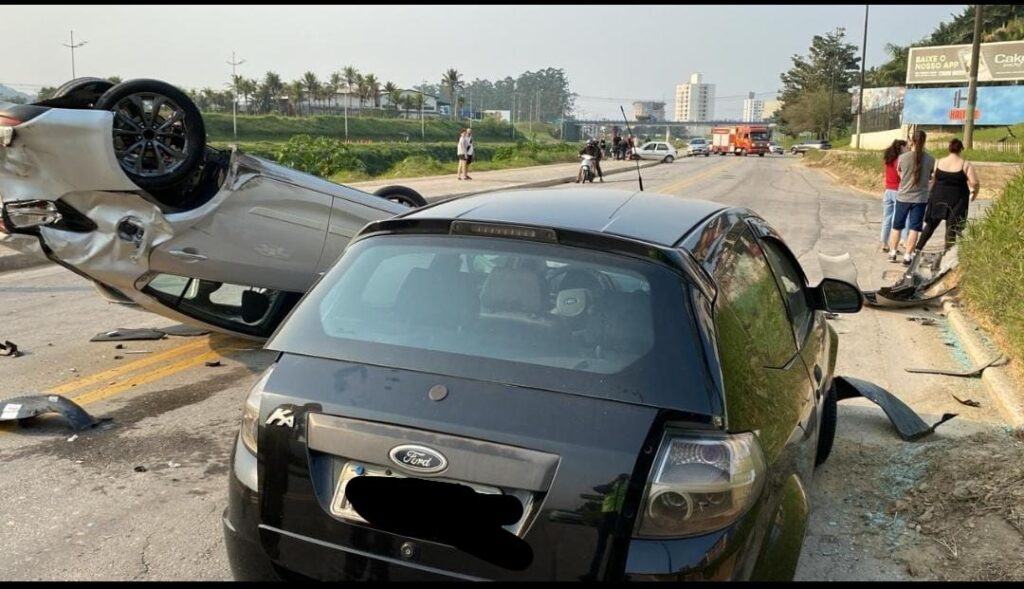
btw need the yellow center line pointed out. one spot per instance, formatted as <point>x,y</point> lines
<point>163,372</point>
<point>688,180</point>
<point>123,369</point>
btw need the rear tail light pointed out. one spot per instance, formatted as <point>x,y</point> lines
<point>7,125</point>
<point>251,412</point>
<point>701,483</point>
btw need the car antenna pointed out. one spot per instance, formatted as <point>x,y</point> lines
<point>630,131</point>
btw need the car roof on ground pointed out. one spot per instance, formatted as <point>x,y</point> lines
<point>644,216</point>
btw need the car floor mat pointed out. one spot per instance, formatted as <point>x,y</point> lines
<point>19,408</point>
<point>182,330</point>
<point>121,335</point>
<point>969,373</point>
<point>907,423</point>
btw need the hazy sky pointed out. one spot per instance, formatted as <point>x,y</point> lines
<point>612,55</point>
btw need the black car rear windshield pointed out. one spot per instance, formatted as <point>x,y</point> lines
<point>504,310</point>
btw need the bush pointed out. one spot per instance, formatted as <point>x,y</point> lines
<point>992,266</point>
<point>278,128</point>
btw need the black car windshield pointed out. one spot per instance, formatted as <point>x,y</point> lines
<point>505,310</point>
<point>759,136</point>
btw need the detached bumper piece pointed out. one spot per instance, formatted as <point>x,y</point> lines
<point>907,423</point>
<point>26,407</point>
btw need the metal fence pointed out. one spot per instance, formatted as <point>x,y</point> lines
<point>883,118</point>
<point>997,146</point>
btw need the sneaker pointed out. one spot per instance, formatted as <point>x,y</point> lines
<point>885,249</point>
<point>907,260</point>
<point>892,256</point>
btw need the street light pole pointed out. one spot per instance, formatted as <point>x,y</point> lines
<point>234,96</point>
<point>972,83</point>
<point>863,56</point>
<point>73,46</point>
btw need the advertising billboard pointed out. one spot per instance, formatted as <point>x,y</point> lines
<point>948,64</point>
<point>997,105</point>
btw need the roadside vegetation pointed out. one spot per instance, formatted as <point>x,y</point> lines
<point>281,129</point>
<point>992,268</point>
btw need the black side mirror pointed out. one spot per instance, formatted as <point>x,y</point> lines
<point>837,296</point>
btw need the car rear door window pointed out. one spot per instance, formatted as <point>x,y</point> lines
<point>791,283</point>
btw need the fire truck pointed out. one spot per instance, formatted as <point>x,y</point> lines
<point>740,140</point>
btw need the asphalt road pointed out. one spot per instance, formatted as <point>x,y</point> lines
<point>80,509</point>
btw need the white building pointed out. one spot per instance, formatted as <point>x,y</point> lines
<point>695,102</point>
<point>753,109</point>
<point>771,108</point>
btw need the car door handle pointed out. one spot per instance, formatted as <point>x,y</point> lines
<point>187,255</point>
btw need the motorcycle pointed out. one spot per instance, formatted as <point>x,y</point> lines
<point>587,166</point>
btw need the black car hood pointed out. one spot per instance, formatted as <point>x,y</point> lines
<point>568,449</point>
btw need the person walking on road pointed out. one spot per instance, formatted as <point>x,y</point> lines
<point>469,151</point>
<point>915,170</point>
<point>892,186</point>
<point>954,187</point>
<point>462,150</point>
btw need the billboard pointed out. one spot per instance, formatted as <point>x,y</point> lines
<point>997,105</point>
<point>878,97</point>
<point>997,62</point>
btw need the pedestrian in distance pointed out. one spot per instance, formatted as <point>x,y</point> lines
<point>462,150</point>
<point>915,170</point>
<point>470,153</point>
<point>892,186</point>
<point>954,186</point>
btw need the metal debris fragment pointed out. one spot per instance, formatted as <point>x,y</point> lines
<point>19,408</point>
<point>907,423</point>
<point>968,402</point>
<point>9,348</point>
<point>970,373</point>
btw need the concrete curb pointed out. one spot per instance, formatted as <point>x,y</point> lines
<point>836,177</point>
<point>538,184</point>
<point>20,261</point>
<point>997,381</point>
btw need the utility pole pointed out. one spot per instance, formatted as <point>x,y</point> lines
<point>72,47</point>
<point>512,115</point>
<point>972,84</point>
<point>423,121</point>
<point>470,110</point>
<point>863,56</point>
<point>234,96</point>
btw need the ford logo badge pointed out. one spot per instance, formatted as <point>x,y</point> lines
<point>418,458</point>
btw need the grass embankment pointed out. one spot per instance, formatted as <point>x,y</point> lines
<point>348,162</point>
<point>992,269</point>
<point>863,169</point>
<point>255,128</point>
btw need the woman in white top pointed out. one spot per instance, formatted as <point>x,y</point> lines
<point>463,152</point>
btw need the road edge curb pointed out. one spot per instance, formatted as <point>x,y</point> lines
<point>997,380</point>
<point>20,261</point>
<point>836,177</point>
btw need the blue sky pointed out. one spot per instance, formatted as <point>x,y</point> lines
<point>624,52</point>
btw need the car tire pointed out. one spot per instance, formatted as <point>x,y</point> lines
<point>760,155</point>
<point>142,145</point>
<point>78,93</point>
<point>402,195</point>
<point>827,428</point>
<point>669,159</point>
<point>706,153</point>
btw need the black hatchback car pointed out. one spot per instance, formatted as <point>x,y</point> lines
<point>542,385</point>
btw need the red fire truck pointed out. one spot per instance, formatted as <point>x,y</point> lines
<point>740,140</point>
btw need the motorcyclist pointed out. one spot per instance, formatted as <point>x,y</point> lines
<point>594,151</point>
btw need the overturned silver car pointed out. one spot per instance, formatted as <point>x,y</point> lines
<point>117,184</point>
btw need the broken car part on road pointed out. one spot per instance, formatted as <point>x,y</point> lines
<point>907,423</point>
<point>20,408</point>
<point>969,373</point>
<point>926,280</point>
<point>9,348</point>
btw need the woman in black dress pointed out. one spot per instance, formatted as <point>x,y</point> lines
<point>954,187</point>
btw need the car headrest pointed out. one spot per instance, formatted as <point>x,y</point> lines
<point>572,302</point>
<point>512,290</point>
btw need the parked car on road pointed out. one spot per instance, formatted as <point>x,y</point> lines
<point>802,148</point>
<point>542,385</point>
<point>776,148</point>
<point>698,146</point>
<point>656,150</point>
<point>116,183</point>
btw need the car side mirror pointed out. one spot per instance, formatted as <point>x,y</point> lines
<point>837,296</point>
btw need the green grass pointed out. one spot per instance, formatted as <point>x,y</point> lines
<point>277,128</point>
<point>992,266</point>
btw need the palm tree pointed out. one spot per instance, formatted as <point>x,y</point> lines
<point>115,79</point>
<point>451,81</point>
<point>351,75</point>
<point>373,89</point>
<point>294,92</point>
<point>272,87</point>
<point>334,83</point>
<point>394,94</point>
<point>312,86</point>
<point>406,103</point>
<point>364,91</point>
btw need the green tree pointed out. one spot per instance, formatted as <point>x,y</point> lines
<point>312,86</point>
<point>394,94</point>
<point>451,81</point>
<point>809,112</point>
<point>270,89</point>
<point>294,92</point>
<point>351,76</point>
<point>46,93</point>
<point>334,82</point>
<point>372,89</point>
<point>115,79</point>
<point>827,72</point>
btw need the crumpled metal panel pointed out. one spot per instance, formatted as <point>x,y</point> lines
<point>907,423</point>
<point>25,407</point>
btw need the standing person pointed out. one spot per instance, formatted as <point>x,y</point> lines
<point>469,151</point>
<point>892,186</point>
<point>598,156</point>
<point>915,170</point>
<point>955,186</point>
<point>604,148</point>
<point>462,150</point>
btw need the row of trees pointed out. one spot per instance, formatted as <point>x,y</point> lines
<point>543,95</point>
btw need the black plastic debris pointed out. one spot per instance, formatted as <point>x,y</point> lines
<point>121,334</point>
<point>907,423</point>
<point>25,407</point>
<point>140,468</point>
<point>9,348</point>
<point>969,373</point>
<point>922,320</point>
<point>183,330</point>
<point>968,402</point>
<point>213,364</point>
<point>829,315</point>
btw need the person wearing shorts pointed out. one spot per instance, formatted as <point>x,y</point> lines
<point>915,169</point>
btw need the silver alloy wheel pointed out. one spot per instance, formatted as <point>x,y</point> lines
<point>150,134</point>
